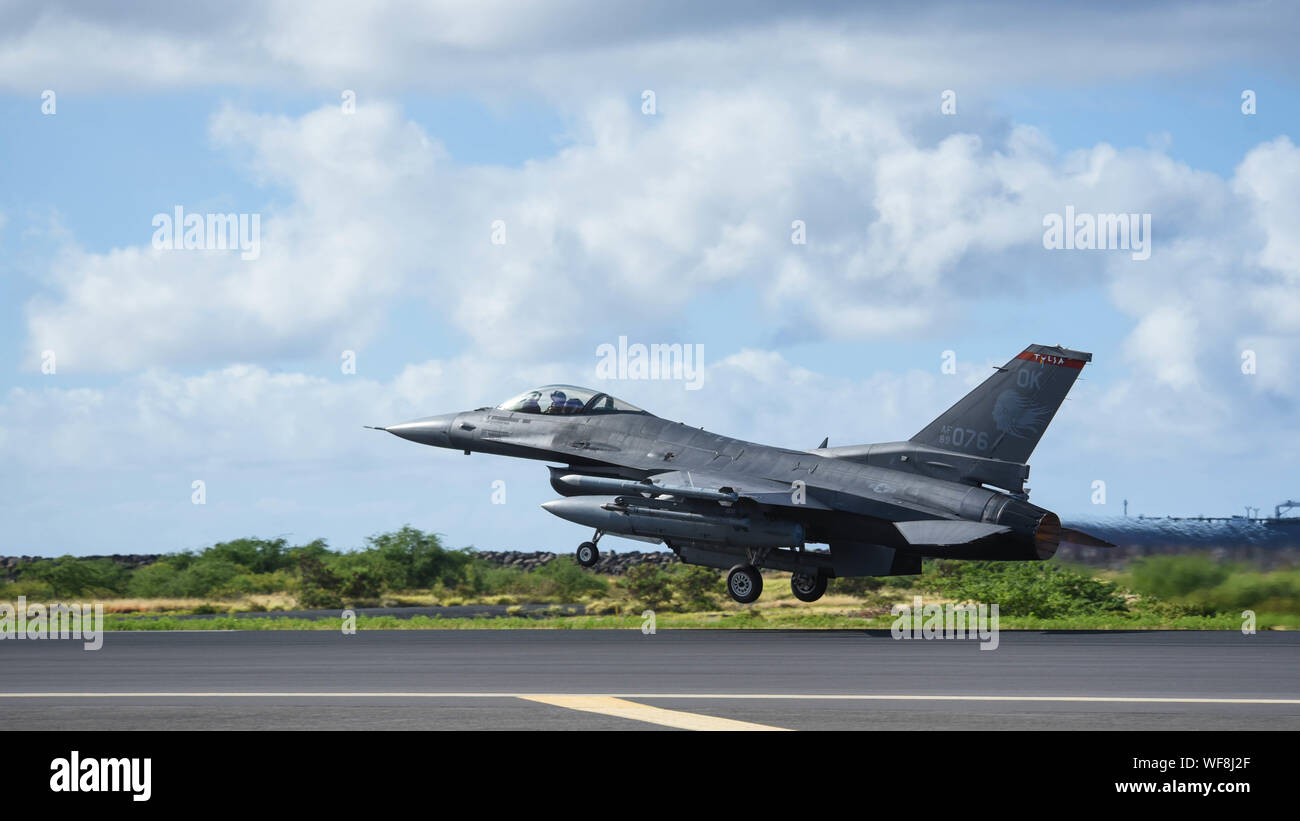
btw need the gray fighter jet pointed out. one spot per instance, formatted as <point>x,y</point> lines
<point>955,490</point>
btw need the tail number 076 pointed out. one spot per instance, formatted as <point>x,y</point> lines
<point>968,438</point>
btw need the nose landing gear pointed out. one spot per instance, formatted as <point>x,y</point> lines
<point>587,554</point>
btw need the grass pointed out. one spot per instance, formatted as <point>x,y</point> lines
<point>730,620</point>
<point>1177,594</point>
<point>242,604</point>
<point>777,609</point>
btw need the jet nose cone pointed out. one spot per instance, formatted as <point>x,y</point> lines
<point>431,430</point>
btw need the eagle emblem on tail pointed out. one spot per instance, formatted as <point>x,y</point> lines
<point>1017,416</point>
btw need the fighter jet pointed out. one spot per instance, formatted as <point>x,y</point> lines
<point>955,490</point>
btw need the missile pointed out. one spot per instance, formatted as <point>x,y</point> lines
<point>624,515</point>
<point>603,484</point>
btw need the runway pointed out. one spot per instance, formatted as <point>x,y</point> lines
<point>624,680</point>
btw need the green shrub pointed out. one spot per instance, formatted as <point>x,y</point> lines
<point>358,575</point>
<point>189,576</point>
<point>859,586</point>
<point>255,555</point>
<point>320,587</point>
<point>71,576</point>
<point>649,585</point>
<point>564,579</point>
<point>1276,592</point>
<point>155,581</point>
<point>410,558</point>
<point>908,582</point>
<point>33,589</point>
<point>1039,589</point>
<point>206,576</point>
<point>484,578</point>
<point>318,549</point>
<point>560,579</point>
<point>1175,609</point>
<point>1169,576</point>
<point>250,583</point>
<point>316,598</point>
<point>1196,584</point>
<point>694,587</point>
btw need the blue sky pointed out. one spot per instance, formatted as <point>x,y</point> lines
<point>924,236</point>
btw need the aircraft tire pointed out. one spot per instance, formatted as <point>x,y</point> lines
<point>808,587</point>
<point>745,583</point>
<point>587,554</point>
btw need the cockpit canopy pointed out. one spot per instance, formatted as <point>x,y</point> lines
<point>560,400</point>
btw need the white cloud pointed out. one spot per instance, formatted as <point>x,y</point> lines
<point>248,417</point>
<point>585,46</point>
<point>655,215</point>
<point>638,220</point>
<point>328,264</point>
<point>1266,181</point>
<point>1165,346</point>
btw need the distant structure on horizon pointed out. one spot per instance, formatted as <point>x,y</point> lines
<point>1271,540</point>
<point>1276,518</point>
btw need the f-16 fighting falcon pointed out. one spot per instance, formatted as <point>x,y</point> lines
<point>955,490</point>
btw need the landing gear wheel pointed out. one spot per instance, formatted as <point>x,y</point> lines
<point>745,583</point>
<point>808,586</point>
<point>587,554</point>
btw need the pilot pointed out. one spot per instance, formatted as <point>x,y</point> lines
<point>558,402</point>
<point>532,403</point>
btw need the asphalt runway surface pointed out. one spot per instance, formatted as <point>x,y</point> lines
<point>624,680</point>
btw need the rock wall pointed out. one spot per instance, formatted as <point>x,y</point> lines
<point>611,563</point>
<point>615,564</point>
<point>9,564</point>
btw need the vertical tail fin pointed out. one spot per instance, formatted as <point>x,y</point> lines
<point>1006,415</point>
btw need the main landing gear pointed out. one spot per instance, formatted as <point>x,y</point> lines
<point>587,554</point>
<point>745,583</point>
<point>808,586</point>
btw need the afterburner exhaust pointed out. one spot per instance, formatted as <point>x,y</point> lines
<point>1047,536</point>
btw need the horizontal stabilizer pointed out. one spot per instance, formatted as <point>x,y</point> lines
<point>1069,534</point>
<point>945,532</point>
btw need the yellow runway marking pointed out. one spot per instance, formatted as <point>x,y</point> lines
<point>610,706</point>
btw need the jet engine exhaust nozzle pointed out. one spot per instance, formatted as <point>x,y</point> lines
<point>1047,536</point>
